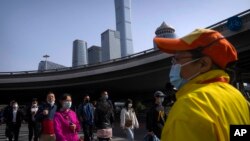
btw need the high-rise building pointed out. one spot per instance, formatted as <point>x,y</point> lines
<point>111,47</point>
<point>80,55</point>
<point>164,31</point>
<point>123,25</point>
<point>94,54</point>
<point>48,65</point>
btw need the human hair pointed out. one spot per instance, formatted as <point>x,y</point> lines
<point>231,68</point>
<point>197,53</point>
<point>62,97</point>
<point>129,101</point>
<point>34,99</point>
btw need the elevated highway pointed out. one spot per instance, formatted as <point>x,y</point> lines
<point>132,76</point>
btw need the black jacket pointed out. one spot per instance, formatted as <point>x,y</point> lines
<point>153,122</point>
<point>19,117</point>
<point>103,118</point>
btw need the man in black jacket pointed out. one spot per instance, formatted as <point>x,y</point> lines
<point>13,118</point>
<point>156,116</point>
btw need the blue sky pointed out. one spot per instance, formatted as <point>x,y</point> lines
<point>30,29</point>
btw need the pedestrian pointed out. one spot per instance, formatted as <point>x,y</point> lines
<point>45,116</point>
<point>33,125</point>
<point>128,120</point>
<point>6,112</point>
<point>207,104</point>
<point>156,116</point>
<point>104,117</point>
<point>14,118</point>
<point>86,117</point>
<point>105,95</point>
<point>66,123</point>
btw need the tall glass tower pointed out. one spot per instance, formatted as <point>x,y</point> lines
<point>80,55</point>
<point>94,54</point>
<point>123,25</point>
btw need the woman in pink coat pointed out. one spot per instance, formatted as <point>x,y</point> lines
<point>66,124</point>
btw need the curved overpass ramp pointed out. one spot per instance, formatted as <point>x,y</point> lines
<point>133,76</point>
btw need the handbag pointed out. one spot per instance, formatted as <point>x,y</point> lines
<point>128,122</point>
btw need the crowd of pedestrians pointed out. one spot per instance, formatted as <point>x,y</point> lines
<point>51,121</point>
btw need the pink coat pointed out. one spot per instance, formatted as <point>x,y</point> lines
<point>62,121</point>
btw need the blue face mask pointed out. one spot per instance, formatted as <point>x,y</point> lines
<point>67,104</point>
<point>175,75</point>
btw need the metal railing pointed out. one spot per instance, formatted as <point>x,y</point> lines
<point>225,21</point>
<point>82,66</point>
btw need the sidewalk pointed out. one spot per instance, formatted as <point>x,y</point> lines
<point>119,135</point>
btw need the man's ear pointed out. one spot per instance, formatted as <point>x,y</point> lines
<point>206,64</point>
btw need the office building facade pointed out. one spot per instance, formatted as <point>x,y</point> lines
<point>48,65</point>
<point>111,47</point>
<point>94,55</point>
<point>123,25</point>
<point>80,54</point>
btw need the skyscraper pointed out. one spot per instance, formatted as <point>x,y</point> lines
<point>94,54</point>
<point>123,25</point>
<point>111,47</point>
<point>80,55</point>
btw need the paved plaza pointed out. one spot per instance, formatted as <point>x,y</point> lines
<point>118,134</point>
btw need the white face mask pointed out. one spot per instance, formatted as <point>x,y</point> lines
<point>34,109</point>
<point>130,105</point>
<point>51,103</point>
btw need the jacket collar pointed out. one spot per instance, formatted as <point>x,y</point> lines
<point>202,80</point>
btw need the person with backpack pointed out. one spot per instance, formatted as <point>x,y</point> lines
<point>86,117</point>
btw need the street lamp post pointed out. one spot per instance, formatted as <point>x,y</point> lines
<point>45,56</point>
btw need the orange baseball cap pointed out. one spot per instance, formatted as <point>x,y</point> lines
<point>212,43</point>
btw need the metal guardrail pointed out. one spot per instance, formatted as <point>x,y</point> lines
<point>225,21</point>
<point>82,66</point>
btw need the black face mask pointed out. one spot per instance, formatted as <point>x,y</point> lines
<point>86,100</point>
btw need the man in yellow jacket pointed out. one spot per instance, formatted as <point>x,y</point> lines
<point>206,103</point>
